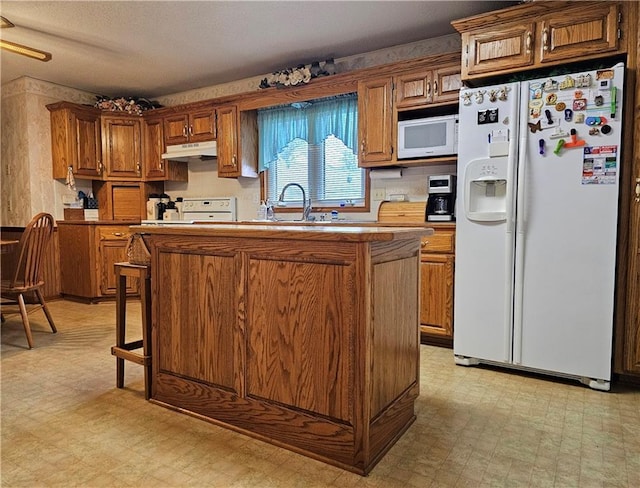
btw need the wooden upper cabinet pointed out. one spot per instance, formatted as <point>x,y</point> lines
<point>375,121</point>
<point>446,84</point>
<point>122,146</point>
<point>228,140</point>
<point>153,147</point>
<point>588,31</point>
<point>192,125</point>
<point>155,168</point>
<point>498,49</point>
<point>237,141</point>
<point>176,129</point>
<point>425,87</point>
<point>537,34</point>
<point>75,140</point>
<point>414,89</point>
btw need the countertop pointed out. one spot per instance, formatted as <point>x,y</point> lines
<point>98,222</point>
<point>299,231</point>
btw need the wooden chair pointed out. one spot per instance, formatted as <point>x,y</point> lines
<point>27,275</point>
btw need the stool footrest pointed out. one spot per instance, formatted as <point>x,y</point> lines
<point>130,346</point>
<point>130,356</point>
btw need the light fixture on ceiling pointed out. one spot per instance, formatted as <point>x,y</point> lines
<point>19,48</point>
<point>5,23</point>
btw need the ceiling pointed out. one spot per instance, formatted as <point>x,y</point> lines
<point>151,48</point>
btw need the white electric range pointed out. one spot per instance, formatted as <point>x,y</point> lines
<point>210,209</point>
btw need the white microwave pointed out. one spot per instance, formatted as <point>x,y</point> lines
<point>432,136</point>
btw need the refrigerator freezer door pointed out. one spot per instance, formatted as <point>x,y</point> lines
<point>567,235</point>
<point>484,248</point>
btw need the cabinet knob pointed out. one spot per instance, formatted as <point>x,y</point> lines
<point>99,169</point>
<point>234,160</point>
<point>118,234</point>
<point>545,39</point>
<point>362,148</point>
<point>190,130</point>
<point>184,131</point>
<point>424,243</point>
<point>435,87</point>
<point>637,190</point>
<point>429,90</point>
<point>527,43</point>
<point>138,167</point>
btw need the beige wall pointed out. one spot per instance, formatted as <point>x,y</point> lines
<point>25,156</point>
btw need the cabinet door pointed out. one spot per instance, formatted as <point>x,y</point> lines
<point>112,248</point>
<point>436,295</point>
<point>202,126</point>
<point>153,148</point>
<point>77,260</point>
<point>498,49</point>
<point>75,140</point>
<point>122,147</point>
<point>414,89</point>
<point>87,150</point>
<point>176,129</point>
<point>572,35</point>
<point>228,141</point>
<point>375,121</point>
<point>446,84</point>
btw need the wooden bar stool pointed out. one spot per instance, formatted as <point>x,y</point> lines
<point>124,350</point>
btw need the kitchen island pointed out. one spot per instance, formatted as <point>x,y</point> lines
<point>303,336</point>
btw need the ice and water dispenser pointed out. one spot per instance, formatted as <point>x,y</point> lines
<point>486,189</point>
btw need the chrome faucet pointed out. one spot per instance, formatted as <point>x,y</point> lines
<point>306,206</point>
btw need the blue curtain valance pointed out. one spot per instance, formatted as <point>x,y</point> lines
<point>313,122</point>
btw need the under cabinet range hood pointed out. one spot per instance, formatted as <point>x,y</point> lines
<point>193,150</point>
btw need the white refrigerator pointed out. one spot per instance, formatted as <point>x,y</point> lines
<point>536,224</point>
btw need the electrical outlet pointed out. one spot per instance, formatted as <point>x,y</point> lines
<point>379,194</point>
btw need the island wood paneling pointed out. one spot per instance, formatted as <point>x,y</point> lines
<point>197,341</point>
<point>317,326</point>
<point>300,321</point>
<point>395,287</point>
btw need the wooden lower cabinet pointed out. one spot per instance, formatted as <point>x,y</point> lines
<point>436,273</point>
<point>88,251</point>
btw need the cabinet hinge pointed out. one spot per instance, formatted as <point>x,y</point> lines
<point>619,33</point>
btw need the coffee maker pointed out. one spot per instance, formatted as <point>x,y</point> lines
<point>442,198</point>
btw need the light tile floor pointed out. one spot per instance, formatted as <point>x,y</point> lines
<point>65,424</point>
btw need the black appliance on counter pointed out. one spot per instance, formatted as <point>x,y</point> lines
<point>442,198</point>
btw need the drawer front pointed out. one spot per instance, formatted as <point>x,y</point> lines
<point>114,233</point>
<point>440,241</point>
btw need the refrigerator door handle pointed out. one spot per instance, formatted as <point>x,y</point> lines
<point>510,225</point>
<point>521,225</point>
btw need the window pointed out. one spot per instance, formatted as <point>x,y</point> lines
<point>313,144</point>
